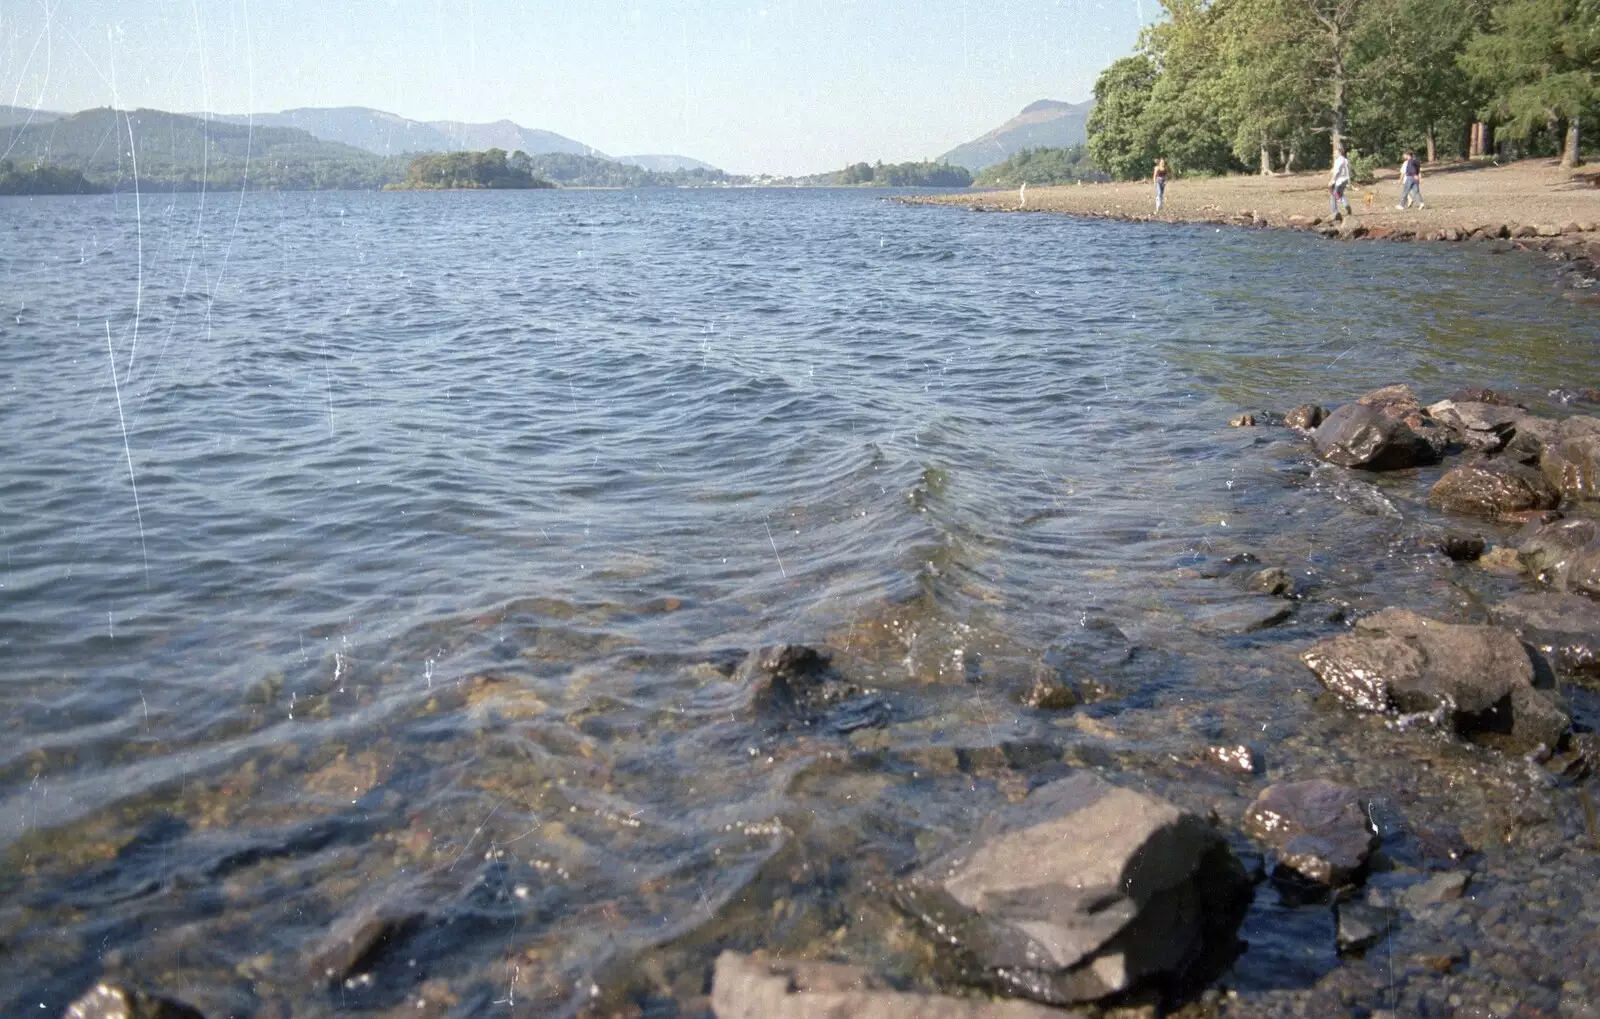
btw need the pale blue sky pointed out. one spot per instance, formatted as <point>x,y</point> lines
<point>784,86</point>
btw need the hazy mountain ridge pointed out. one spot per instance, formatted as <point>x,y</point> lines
<point>1046,124</point>
<point>662,163</point>
<point>14,116</point>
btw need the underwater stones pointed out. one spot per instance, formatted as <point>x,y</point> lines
<point>1571,457</point>
<point>1317,827</point>
<point>759,987</point>
<point>1461,548</point>
<point>797,680</point>
<point>357,943</point>
<point>1359,925</point>
<point>1305,417</point>
<point>1242,617</point>
<point>1566,627</point>
<point>1476,680</point>
<point>115,1001</point>
<point>1245,420</point>
<point>1441,887</point>
<point>1493,488</point>
<point>1087,890</point>
<point>1368,437</point>
<point>1274,580</point>
<point>1239,758</point>
<point>1050,694</point>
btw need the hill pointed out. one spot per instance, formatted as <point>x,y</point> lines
<point>11,116</point>
<point>664,164</point>
<point>389,134</point>
<point>182,153</point>
<point>1046,124</point>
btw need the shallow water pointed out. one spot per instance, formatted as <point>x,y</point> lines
<point>393,548</point>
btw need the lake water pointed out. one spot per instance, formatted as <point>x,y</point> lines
<point>392,550</point>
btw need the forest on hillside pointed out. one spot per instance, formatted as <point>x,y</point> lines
<point>1041,167</point>
<point>1274,85</point>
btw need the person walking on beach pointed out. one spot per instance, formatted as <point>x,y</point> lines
<point>1160,177</point>
<point>1338,183</point>
<point>1411,177</point>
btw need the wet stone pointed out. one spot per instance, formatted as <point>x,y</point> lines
<point>358,942</point>
<point>1481,426</point>
<point>1475,680</point>
<point>1087,890</point>
<point>1048,694</point>
<point>1462,548</point>
<point>1305,417</point>
<point>1240,758</point>
<point>1246,617</point>
<point>1362,436</point>
<point>1564,626</point>
<point>1493,488</point>
<point>1359,926</point>
<point>1550,550</point>
<point>1317,827</point>
<point>1571,457</point>
<point>116,1001</point>
<point>1274,580</point>
<point>1441,887</point>
<point>759,987</point>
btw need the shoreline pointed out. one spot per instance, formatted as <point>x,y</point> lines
<point>1531,205</point>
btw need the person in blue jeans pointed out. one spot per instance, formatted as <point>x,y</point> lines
<point>1160,178</point>
<point>1411,178</point>
<point>1338,183</point>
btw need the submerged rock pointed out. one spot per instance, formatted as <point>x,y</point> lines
<point>357,943</point>
<point>1318,828</point>
<point>798,680</point>
<point>1477,680</point>
<point>1359,926</point>
<point>1493,488</point>
<point>1236,757</point>
<point>116,1001</point>
<point>1566,627</point>
<point>1090,890</point>
<point>756,987</point>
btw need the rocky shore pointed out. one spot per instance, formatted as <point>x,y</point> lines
<point>1531,206</point>
<point>1429,847</point>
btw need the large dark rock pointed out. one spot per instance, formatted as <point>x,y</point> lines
<point>1477,680</point>
<point>108,1000</point>
<point>1493,488</point>
<point>1528,439</point>
<point>1566,627</point>
<point>1358,435</point>
<point>1318,828</point>
<point>758,987</point>
<point>1572,458</point>
<point>1089,890</point>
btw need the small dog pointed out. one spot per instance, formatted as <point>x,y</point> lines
<point>1367,199</point>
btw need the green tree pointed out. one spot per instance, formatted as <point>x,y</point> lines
<point>1119,141</point>
<point>1413,87</point>
<point>1538,59</point>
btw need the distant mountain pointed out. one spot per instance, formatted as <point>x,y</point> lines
<point>1046,124</point>
<point>385,134</point>
<point>664,164</point>
<point>10,116</point>
<point>175,152</point>
<point>389,134</point>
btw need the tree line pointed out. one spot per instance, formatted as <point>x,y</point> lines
<point>1238,85</point>
<point>491,168</point>
<point>1042,167</point>
<point>905,175</point>
<point>43,179</point>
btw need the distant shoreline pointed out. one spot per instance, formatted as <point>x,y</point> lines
<point>1530,204</point>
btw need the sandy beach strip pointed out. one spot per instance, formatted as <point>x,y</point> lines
<point>1532,203</point>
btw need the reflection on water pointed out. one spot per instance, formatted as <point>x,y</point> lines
<point>456,514</point>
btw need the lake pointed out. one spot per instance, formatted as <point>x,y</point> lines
<point>397,551</point>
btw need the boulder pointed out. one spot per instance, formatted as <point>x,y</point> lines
<point>1528,438</point>
<point>1565,627</point>
<point>1476,680</point>
<point>1318,828</point>
<point>1493,488</point>
<point>1547,230</point>
<point>800,682</point>
<point>757,987</point>
<point>1571,456</point>
<point>358,943</point>
<point>1363,436</point>
<point>1481,426</point>
<point>1564,553</point>
<point>1305,417</point>
<point>109,1000</point>
<point>1086,890</point>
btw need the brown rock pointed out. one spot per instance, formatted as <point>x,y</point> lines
<point>1571,458</point>
<point>1493,488</point>
<point>1522,231</point>
<point>1319,829</point>
<point>1242,421</point>
<point>1547,230</point>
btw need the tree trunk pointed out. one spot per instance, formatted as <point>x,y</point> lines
<point>1266,157</point>
<point>1431,157</point>
<point>1340,105</point>
<point>1569,155</point>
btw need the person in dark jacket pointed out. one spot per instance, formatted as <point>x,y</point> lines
<point>1411,182</point>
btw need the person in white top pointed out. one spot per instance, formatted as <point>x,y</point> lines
<point>1338,183</point>
<point>1411,182</point>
